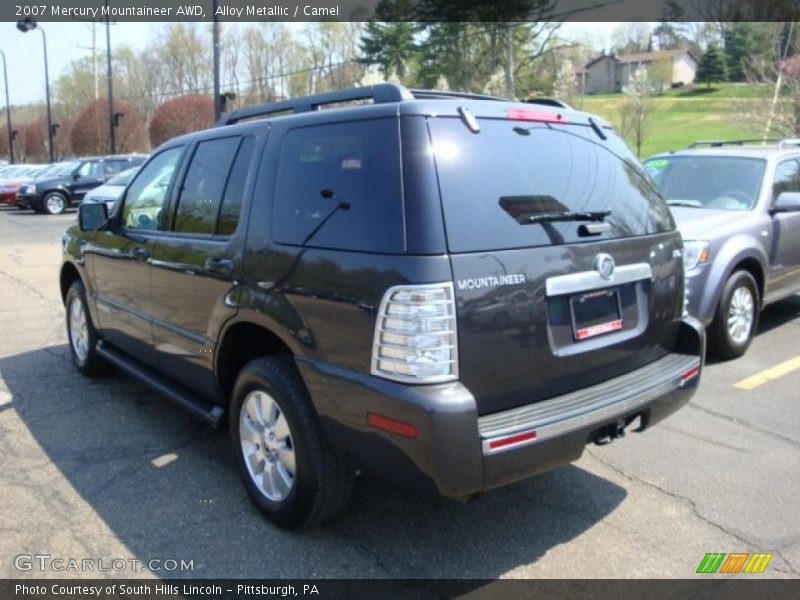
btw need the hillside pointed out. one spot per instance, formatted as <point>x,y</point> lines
<point>680,117</point>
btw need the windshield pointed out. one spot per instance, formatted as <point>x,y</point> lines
<point>718,182</point>
<point>517,185</point>
<point>123,178</point>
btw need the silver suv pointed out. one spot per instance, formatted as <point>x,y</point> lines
<point>738,209</point>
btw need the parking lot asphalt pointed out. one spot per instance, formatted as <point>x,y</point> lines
<point>105,469</point>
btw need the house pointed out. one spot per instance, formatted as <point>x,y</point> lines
<point>610,73</point>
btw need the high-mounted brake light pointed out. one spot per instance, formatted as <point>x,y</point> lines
<point>535,114</point>
<point>415,334</point>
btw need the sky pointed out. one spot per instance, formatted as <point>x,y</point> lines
<point>70,41</point>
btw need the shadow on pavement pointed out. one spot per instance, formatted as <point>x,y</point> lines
<point>779,314</point>
<point>108,436</point>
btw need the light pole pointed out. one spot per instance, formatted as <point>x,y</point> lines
<point>112,134</point>
<point>25,26</point>
<point>8,112</point>
<point>215,32</point>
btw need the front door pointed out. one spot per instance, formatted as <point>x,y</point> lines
<point>196,262</point>
<point>88,176</point>
<point>121,258</point>
<point>785,247</point>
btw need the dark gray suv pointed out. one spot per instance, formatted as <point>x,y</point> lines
<point>312,277</point>
<point>738,209</point>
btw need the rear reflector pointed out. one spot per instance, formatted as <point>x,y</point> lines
<point>535,114</point>
<point>398,427</point>
<point>511,440</point>
<point>690,374</point>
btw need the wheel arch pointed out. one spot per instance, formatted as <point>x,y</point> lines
<point>239,343</point>
<point>68,275</point>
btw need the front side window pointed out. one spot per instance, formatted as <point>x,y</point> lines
<point>203,186</point>
<point>91,169</point>
<point>148,192</point>
<point>338,186</point>
<point>787,178</point>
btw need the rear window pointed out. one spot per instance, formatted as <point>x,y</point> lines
<point>338,186</point>
<point>493,181</point>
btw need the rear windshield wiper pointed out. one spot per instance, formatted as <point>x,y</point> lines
<point>550,217</point>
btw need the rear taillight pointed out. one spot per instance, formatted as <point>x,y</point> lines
<point>415,334</point>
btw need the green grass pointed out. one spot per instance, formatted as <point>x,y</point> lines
<point>680,117</point>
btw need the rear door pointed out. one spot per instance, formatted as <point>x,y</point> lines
<point>195,264</point>
<point>547,305</point>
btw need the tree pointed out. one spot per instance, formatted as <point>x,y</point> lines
<point>565,87</point>
<point>180,115</point>
<point>31,145</point>
<point>90,134</point>
<point>712,67</point>
<point>660,72</point>
<point>636,108</point>
<point>747,46</point>
<point>391,46</point>
<point>631,38</point>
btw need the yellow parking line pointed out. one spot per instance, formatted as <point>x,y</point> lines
<point>769,374</point>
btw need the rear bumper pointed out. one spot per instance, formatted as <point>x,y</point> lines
<point>453,452</point>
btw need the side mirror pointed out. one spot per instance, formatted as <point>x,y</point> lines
<point>92,216</point>
<point>75,176</point>
<point>786,202</point>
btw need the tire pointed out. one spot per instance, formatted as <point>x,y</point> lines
<point>81,334</point>
<point>736,318</point>
<point>54,203</point>
<point>321,482</point>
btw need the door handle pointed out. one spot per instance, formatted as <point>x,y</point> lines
<point>222,266</point>
<point>141,254</point>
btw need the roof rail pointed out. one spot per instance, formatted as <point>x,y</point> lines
<point>548,102</point>
<point>789,142</point>
<point>448,95</point>
<point>720,143</point>
<point>380,94</point>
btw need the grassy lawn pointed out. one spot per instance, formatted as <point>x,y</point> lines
<point>680,117</point>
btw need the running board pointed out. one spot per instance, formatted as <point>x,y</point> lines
<point>184,398</point>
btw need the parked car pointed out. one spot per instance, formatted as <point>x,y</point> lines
<point>302,276</point>
<point>55,194</point>
<point>112,189</point>
<point>10,184</point>
<point>738,209</point>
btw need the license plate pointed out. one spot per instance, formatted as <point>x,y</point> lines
<point>595,313</point>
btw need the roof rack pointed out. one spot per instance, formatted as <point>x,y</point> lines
<point>379,94</point>
<point>721,143</point>
<point>789,142</point>
<point>448,95</point>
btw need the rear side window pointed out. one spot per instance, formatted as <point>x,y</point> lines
<point>234,190</point>
<point>201,195</point>
<point>338,186</point>
<point>494,183</point>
